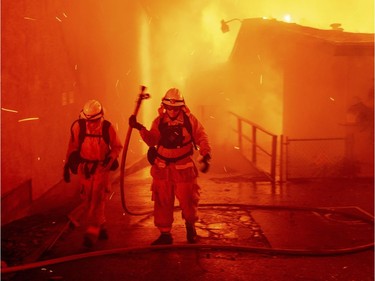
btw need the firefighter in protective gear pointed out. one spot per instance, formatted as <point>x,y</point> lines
<point>96,157</point>
<point>175,133</point>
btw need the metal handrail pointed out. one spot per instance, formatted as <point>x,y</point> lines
<point>255,128</point>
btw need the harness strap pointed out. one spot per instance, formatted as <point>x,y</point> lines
<point>187,125</point>
<point>88,172</point>
<point>93,135</point>
<point>173,160</point>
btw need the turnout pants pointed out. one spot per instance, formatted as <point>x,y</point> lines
<point>174,181</point>
<point>94,194</point>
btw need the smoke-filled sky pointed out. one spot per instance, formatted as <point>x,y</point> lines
<point>189,38</point>
<point>355,16</point>
<point>201,19</point>
<point>186,34</point>
<point>190,30</point>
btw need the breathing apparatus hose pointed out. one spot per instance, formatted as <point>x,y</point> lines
<point>142,95</point>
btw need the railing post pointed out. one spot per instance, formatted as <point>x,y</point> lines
<point>286,158</point>
<point>254,144</point>
<point>239,127</point>
<point>281,158</point>
<point>273,158</point>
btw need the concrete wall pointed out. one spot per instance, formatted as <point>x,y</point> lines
<point>37,82</point>
<point>56,56</point>
<point>320,85</point>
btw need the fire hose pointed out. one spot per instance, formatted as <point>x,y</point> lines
<point>207,247</point>
<point>142,96</point>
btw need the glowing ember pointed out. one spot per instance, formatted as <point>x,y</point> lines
<point>28,119</point>
<point>9,110</point>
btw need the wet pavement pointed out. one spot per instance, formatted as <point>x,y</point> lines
<point>249,230</point>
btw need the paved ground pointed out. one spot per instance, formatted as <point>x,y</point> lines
<point>248,231</point>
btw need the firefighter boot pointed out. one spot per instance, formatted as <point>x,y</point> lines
<point>191,233</point>
<point>89,240</point>
<point>91,236</point>
<point>103,234</point>
<point>165,238</point>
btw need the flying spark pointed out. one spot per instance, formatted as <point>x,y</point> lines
<point>9,110</point>
<point>28,119</point>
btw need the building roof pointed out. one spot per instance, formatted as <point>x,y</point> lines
<point>335,35</point>
<point>280,38</point>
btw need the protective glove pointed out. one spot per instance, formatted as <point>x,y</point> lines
<point>110,163</point>
<point>134,124</point>
<point>66,173</point>
<point>107,161</point>
<point>206,164</point>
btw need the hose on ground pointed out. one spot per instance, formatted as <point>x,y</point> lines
<point>236,248</point>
